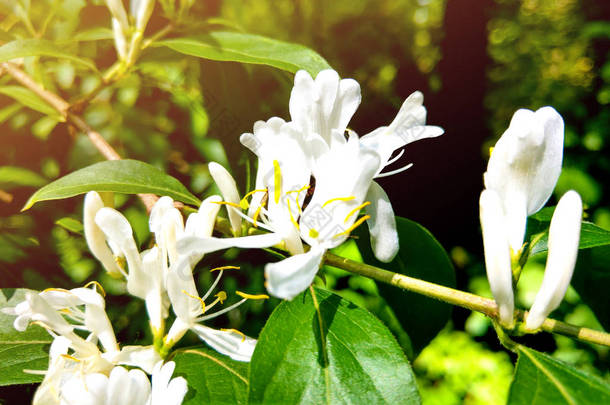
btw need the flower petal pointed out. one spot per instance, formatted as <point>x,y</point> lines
<point>118,230</point>
<point>167,390</point>
<point>564,236</point>
<point>96,240</point>
<point>228,189</point>
<point>289,277</point>
<point>497,255</point>
<point>382,224</point>
<point>234,345</point>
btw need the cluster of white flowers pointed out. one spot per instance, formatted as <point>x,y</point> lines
<point>163,277</point>
<point>314,178</point>
<point>522,172</point>
<point>315,175</point>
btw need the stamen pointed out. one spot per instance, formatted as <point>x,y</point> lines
<point>67,356</point>
<point>491,149</point>
<point>97,285</point>
<point>197,298</point>
<point>222,296</point>
<point>225,268</point>
<point>243,337</point>
<point>354,226</point>
<point>122,263</point>
<point>296,225</point>
<point>313,233</point>
<point>247,218</point>
<point>244,201</point>
<point>338,199</point>
<point>53,289</point>
<point>277,181</point>
<point>251,296</point>
<point>386,174</point>
<point>214,284</point>
<point>389,162</point>
<point>232,204</point>
<point>256,214</point>
<point>222,311</point>
<point>358,208</point>
<point>305,187</point>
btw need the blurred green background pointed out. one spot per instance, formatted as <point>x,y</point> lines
<point>476,61</point>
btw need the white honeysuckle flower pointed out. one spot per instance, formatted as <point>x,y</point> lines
<point>521,174</point>
<point>228,189</point>
<point>62,312</point>
<point>497,254</point>
<point>564,237</point>
<point>288,278</point>
<point>326,104</point>
<point>524,167</point>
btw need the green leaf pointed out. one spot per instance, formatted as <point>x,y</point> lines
<point>212,377</point>
<point>420,256</point>
<point>12,176</point>
<point>94,34</point>
<point>27,350</point>
<point>249,48</point>
<point>71,225</point>
<point>324,349</point>
<point>39,47</point>
<point>120,176</point>
<point>30,99</point>
<point>540,380</point>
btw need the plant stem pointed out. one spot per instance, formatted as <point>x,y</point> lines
<point>460,298</point>
<point>63,108</point>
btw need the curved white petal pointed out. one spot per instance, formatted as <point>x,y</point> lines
<point>288,278</point>
<point>527,158</point>
<point>127,387</point>
<point>165,389</point>
<point>382,224</point>
<point>144,357</point>
<point>96,240</point>
<point>497,255</point>
<point>202,222</point>
<point>564,236</point>
<point>228,189</point>
<point>193,245</point>
<point>182,290</point>
<point>232,344</point>
<point>118,230</point>
<point>90,389</point>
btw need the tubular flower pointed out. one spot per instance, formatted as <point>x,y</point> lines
<point>564,236</point>
<point>521,174</point>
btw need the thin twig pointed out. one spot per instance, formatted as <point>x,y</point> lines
<point>460,298</point>
<point>63,108</point>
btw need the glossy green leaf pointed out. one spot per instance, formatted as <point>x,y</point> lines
<point>27,350</point>
<point>29,99</point>
<point>540,380</point>
<point>39,47</point>
<point>327,350</point>
<point>212,377</point>
<point>420,256</point>
<point>249,48</point>
<point>121,176</point>
<point>12,176</point>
